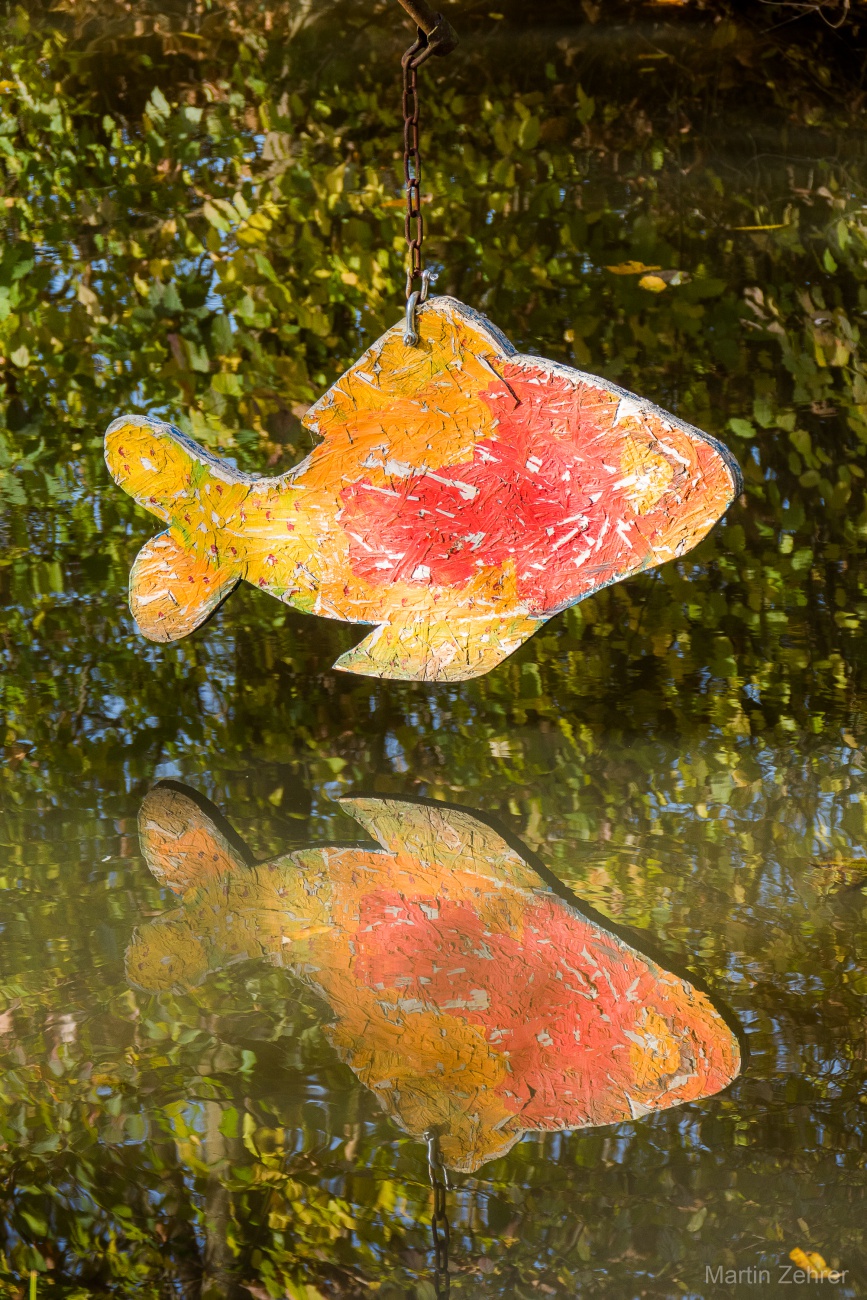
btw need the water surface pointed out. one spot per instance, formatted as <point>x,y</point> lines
<point>205,222</point>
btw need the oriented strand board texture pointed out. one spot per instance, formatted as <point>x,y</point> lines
<point>460,495</point>
<point>465,995</point>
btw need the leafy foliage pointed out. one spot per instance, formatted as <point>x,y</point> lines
<point>202,218</point>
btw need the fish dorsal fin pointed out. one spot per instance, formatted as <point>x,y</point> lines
<point>456,352</point>
<point>448,838</point>
<point>185,840</point>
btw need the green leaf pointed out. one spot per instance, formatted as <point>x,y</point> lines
<point>35,1222</point>
<point>230,1122</point>
<point>697,1219</point>
<point>136,1129</point>
<point>586,106</point>
<point>215,217</point>
<point>227,383</point>
<point>528,136</point>
<point>158,106</point>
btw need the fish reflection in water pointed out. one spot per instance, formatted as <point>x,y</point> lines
<point>472,1000</point>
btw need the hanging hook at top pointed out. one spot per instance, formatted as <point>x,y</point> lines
<point>435,33</point>
<point>414,298</point>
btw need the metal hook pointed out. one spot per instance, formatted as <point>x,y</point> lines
<point>413,302</point>
<point>435,33</point>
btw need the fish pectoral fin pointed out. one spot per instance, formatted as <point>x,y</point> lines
<point>444,651</point>
<point>172,590</point>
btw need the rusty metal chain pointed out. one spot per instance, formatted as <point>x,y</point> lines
<point>434,36</point>
<point>439,1181</point>
<point>412,161</point>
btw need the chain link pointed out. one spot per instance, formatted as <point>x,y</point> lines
<point>439,1181</point>
<point>414,221</point>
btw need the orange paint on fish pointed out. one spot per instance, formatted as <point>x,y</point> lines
<point>467,998</point>
<point>460,495</point>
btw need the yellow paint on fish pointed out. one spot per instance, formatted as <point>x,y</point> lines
<point>460,495</point>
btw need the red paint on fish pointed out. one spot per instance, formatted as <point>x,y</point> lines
<point>557,999</point>
<point>547,491</point>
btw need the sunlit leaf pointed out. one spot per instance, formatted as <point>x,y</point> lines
<point>811,1262</point>
<point>631,268</point>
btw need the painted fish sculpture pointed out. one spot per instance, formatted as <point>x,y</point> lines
<point>466,994</point>
<point>460,495</point>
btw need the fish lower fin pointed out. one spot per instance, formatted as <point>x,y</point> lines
<point>172,590</point>
<point>427,651</point>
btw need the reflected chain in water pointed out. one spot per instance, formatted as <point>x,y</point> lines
<point>439,1181</point>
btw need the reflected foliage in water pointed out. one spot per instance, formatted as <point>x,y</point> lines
<point>201,216</point>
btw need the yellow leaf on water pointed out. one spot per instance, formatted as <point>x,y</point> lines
<point>631,268</point>
<point>654,283</point>
<point>813,1262</point>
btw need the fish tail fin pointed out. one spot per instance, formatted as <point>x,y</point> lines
<point>173,590</point>
<point>185,840</point>
<point>160,467</point>
<point>166,954</point>
<point>231,910</point>
<point>180,577</point>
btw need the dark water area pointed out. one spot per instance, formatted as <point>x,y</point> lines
<point>213,1088</point>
